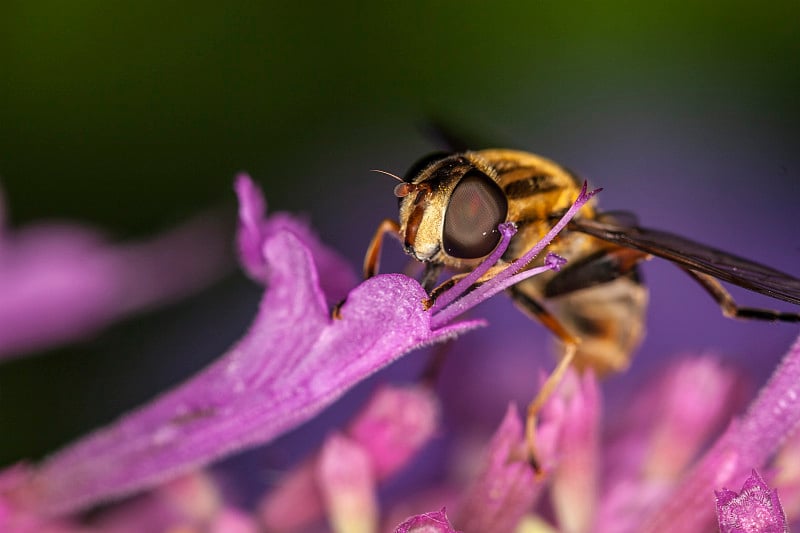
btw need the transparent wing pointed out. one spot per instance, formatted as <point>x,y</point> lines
<point>694,256</point>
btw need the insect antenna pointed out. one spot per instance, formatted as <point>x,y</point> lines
<point>404,188</point>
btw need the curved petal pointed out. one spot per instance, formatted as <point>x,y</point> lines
<point>294,361</point>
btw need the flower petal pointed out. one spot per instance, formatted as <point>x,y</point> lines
<point>672,418</point>
<point>294,362</point>
<point>787,476</point>
<point>656,437</point>
<point>335,274</point>
<point>435,522</point>
<point>395,424</point>
<point>755,508</point>
<point>391,428</point>
<point>347,481</point>
<point>60,283</point>
<point>574,490</point>
<point>747,443</point>
<point>505,488</point>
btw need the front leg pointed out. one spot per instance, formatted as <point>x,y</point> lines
<point>430,275</point>
<point>372,259</point>
<point>444,286</point>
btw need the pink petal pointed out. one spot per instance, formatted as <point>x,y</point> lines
<point>787,476</point>
<point>756,509</point>
<point>747,443</point>
<point>574,490</point>
<point>675,415</point>
<point>294,362</point>
<point>348,486</point>
<point>395,423</point>
<point>231,520</point>
<point>435,522</point>
<point>657,436</point>
<point>189,501</point>
<point>505,488</point>
<point>336,276</point>
<point>61,283</point>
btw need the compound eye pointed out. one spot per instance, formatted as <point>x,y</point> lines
<point>477,206</point>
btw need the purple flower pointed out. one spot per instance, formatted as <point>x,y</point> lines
<point>653,465</point>
<point>296,359</point>
<point>633,494</point>
<point>348,483</point>
<point>394,424</point>
<point>333,273</point>
<point>748,443</point>
<point>63,282</point>
<point>755,508</point>
<point>575,412</point>
<point>505,487</point>
<point>786,479</point>
<point>435,522</point>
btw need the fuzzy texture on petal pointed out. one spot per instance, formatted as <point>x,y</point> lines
<point>60,283</point>
<point>435,522</point>
<point>505,488</point>
<point>755,509</point>
<point>336,277</point>
<point>294,361</point>
<point>391,428</point>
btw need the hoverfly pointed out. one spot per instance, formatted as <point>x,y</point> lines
<point>450,205</point>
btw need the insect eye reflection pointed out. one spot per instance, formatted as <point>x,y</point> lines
<point>477,206</point>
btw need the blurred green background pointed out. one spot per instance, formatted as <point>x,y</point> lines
<point>132,117</point>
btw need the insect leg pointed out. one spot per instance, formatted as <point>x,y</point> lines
<point>600,267</point>
<point>729,307</point>
<point>373,257</point>
<point>537,311</point>
<point>444,286</point>
<point>533,308</point>
<point>430,275</point>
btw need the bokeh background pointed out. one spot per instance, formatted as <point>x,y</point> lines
<point>133,117</point>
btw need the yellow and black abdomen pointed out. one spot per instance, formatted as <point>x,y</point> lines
<point>607,318</point>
